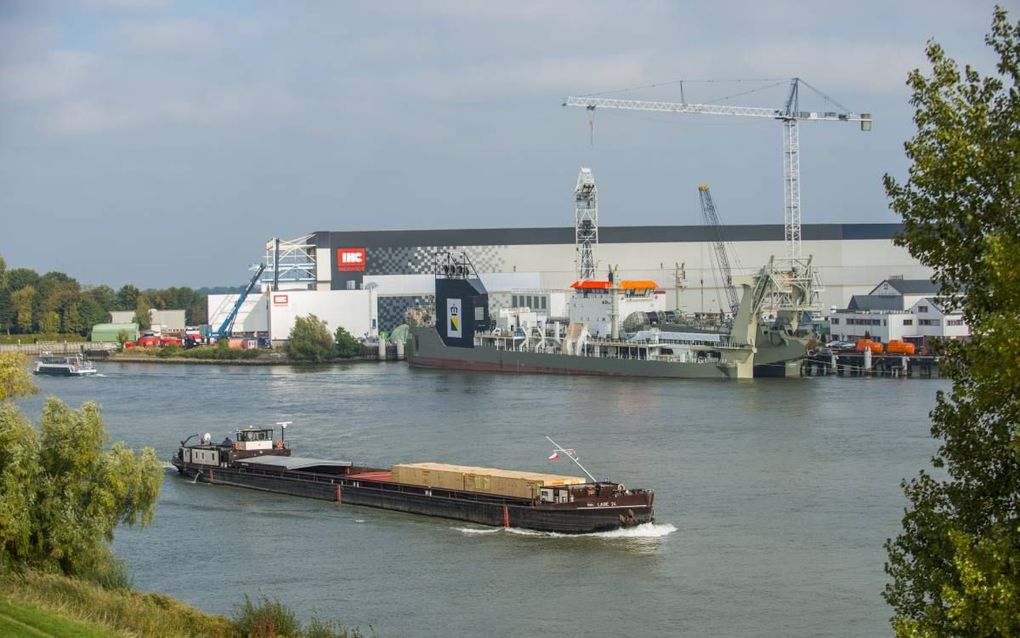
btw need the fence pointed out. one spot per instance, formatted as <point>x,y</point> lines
<point>59,347</point>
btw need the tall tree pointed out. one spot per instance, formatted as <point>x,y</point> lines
<point>23,303</point>
<point>127,297</point>
<point>955,567</point>
<point>19,278</point>
<point>142,315</point>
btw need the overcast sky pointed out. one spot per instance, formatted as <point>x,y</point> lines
<point>162,142</point>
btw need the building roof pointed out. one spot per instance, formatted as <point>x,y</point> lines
<point>911,286</point>
<point>875,302</point>
<point>292,462</point>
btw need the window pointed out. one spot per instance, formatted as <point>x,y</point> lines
<point>876,322</point>
<point>954,322</point>
<point>908,322</point>
<point>922,308</point>
<point>834,321</point>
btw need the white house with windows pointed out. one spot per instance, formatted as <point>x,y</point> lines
<point>907,310</point>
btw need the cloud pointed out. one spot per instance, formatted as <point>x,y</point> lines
<point>133,5</point>
<point>170,35</point>
<point>58,75</point>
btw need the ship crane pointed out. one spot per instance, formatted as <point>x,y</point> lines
<point>790,115</point>
<point>721,258</point>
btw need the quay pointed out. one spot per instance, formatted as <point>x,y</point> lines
<point>868,364</point>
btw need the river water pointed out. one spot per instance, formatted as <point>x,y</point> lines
<point>773,498</point>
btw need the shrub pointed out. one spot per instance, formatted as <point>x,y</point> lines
<point>266,618</point>
<point>346,345</point>
<point>310,340</point>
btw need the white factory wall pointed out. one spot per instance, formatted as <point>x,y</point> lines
<point>355,310</point>
<point>418,285</point>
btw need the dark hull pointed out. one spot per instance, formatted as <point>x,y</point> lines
<point>428,351</point>
<point>482,509</point>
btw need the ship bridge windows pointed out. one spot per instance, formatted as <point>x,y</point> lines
<point>244,436</point>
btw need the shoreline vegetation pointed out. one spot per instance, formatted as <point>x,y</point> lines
<point>41,604</point>
<point>64,491</point>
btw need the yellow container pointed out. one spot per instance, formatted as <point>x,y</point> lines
<point>486,480</point>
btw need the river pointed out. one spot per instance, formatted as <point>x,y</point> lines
<point>773,498</point>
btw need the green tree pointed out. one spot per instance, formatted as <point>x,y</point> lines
<point>142,316</point>
<point>62,491</point>
<point>955,567</point>
<point>127,297</point>
<point>19,278</point>
<point>23,303</point>
<point>15,380</point>
<point>310,340</point>
<point>346,345</point>
<point>49,322</point>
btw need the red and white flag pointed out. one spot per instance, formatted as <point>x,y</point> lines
<point>555,456</point>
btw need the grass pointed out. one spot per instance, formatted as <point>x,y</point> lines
<point>40,598</point>
<point>34,604</point>
<point>28,620</point>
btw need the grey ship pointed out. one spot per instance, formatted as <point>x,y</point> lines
<point>462,337</point>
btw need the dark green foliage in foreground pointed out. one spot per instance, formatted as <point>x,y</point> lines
<point>955,567</point>
<point>310,341</point>
<point>346,345</point>
<point>63,492</point>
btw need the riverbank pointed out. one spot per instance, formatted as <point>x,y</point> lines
<point>264,359</point>
<point>32,603</point>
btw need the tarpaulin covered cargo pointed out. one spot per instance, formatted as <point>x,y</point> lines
<point>479,479</point>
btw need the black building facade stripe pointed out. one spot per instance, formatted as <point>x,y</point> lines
<point>607,235</point>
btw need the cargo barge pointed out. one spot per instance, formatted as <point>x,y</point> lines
<point>255,459</point>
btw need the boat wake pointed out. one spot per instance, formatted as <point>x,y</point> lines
<point>643,531</point>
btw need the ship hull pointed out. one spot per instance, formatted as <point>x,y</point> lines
<point>426,350</point>
<point>462,506</point>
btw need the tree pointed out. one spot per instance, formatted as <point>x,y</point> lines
<point>955,567</point>
<point>49,322</point>
<point>15,381</point>
<point>23,303</point>
<point>21,277</point>
<point>310,340</point>
<point>346,345</point>
<point>127,297</point>
<point>62,492</point>
<point>142,315</point>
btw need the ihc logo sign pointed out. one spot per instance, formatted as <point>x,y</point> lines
<point>350,259</point>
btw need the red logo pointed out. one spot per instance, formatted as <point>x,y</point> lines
<point>350,259</point>
<point>280,300</point>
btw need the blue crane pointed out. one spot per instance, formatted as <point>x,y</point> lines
<point>224,329</point>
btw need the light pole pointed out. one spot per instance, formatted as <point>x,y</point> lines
<point>370,287</point>
<point>283,431</point>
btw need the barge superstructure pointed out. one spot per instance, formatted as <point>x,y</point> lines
<point>255,459</point>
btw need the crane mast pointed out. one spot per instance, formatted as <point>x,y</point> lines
<point>586,224</point>
<point>721,258</point>
<point>790,115</point>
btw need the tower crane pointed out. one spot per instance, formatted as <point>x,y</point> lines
<point>789,114</point>
<point>722,260</point>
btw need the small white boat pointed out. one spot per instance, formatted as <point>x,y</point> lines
<point>64,366</point>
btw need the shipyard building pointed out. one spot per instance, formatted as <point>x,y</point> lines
<point>365,281</point>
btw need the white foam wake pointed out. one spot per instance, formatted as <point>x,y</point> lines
<point>643,531</point>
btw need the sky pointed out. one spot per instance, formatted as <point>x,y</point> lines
<point>163,142</point>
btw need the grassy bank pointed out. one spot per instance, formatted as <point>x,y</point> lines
<point>47,604</point>
<point>6,339</point>
<point>44,605</point>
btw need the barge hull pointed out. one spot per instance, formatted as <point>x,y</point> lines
<point>483,510</point>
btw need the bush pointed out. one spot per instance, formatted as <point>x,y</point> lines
<point>267,618</point>
<point>346,345</point>
<point>310,340</point>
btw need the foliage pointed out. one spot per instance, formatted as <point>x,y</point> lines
<point>346,345</point>
<point>310,340</point>
<point>267,618</point>
<point>55,302</point>
<point>15,380</point>
<point>955,567</point>
<point>149,615</point>
<point>219,352</point>
<point>62,493</point>
<point>142,316</point>
<point>123,336</point>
